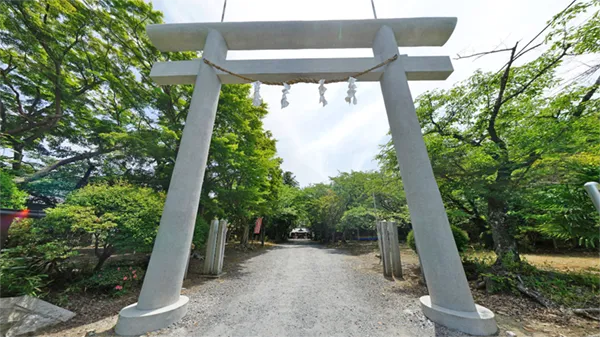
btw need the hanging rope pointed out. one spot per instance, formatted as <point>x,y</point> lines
<point>303,80</point>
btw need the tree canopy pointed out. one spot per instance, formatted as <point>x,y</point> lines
<point>502,143</point>
<point>510,148</point>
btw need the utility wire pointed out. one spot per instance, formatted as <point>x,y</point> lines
<point>547,26</point>
<point>373,5</point>
<point>521,52</point>
<point>223,14</point>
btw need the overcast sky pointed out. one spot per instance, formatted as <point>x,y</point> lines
<point>315,142</point>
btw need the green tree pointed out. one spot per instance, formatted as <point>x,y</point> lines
<point>70,90</point>
<point>120,217</point>
<point>10,195</point>
<point>555,204</point>
<point>243,175</point>
<point>289,179</point>
<point>487,135</point>
<point>289,212</point>
<point>357,218</point>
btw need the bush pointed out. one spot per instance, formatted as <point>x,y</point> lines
<point>460,237</point>
<point>30,266</point>
<point>120,217</point>
<point>117,280</point>
<point>201,230</point>
<point>16,278</point>
<point>44,247</point>
<point>112,218</point>
<point>35,258</point>
<point>10,195</point>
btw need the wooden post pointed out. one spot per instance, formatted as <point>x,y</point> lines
<point>392,229</point>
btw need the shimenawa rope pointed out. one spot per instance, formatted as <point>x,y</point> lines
<point>303,80</point>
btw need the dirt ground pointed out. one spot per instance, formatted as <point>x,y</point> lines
<point>97,315</point>
<point>571,262</point>
<point>513,313</point>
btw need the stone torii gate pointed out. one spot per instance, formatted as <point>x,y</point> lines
<point>450,301</point>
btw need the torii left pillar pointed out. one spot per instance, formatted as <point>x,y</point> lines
<point>160,302</point>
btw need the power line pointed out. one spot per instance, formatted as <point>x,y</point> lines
<point>373,5</point>
<point>224,6</point>
<point>547,26</point>
<point>521,52</point>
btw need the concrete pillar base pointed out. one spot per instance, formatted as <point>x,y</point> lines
<point>480,323</point>
<point>134,322</point>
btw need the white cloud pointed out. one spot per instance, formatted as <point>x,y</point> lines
<point>316,142</point>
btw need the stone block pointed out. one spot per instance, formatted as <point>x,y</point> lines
<point>26,314</point>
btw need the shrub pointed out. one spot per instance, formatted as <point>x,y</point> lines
<point>19,232</point>
<point>460,237</point>
<point>117,280</point>
<point>118,218</point>
<point>28,268</point>
<point>10,195</point>
<point>201,230</point>
<point>45,248</point>
<point>17,278</point>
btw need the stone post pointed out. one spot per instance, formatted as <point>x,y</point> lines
<point>220,247</point>
<point>384,248</point>
<point>378,229</point>
<point>211,247</point>
<point>394,249</point>
<point>160,302</point>
<point>450,302</point>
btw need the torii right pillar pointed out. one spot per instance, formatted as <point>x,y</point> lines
<point>450,301</point>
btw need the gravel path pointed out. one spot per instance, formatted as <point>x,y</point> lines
<point>302,290</point>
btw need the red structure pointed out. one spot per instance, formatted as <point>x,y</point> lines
<point>8,215</point>
<point>258,226</point>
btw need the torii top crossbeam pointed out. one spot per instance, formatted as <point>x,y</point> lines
<point>414,32</point>
<point>267,35</point>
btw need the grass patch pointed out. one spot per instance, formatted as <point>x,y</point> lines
<point>568,289</point>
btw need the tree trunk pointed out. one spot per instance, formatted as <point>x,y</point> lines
<point>504,240</point>
<point>86,177</point>
<point>17,163</point>
<point>106,253</point>
<point>246,233</point>
<point>102,257</point>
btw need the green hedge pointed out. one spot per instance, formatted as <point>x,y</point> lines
<point>460,237</point>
